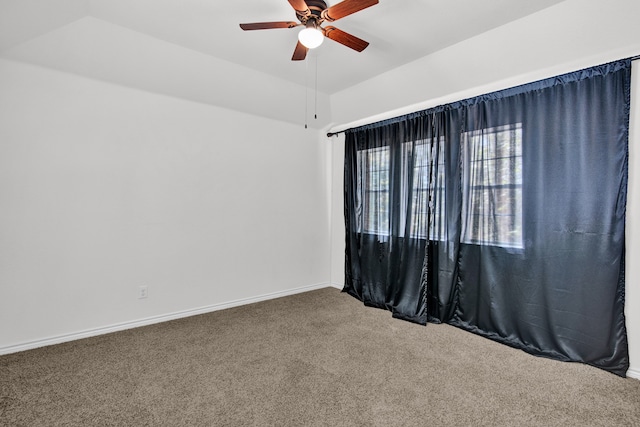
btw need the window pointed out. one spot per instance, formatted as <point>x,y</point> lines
<point>423,187</point>
<point>492,186</point>
<point>373,187</point>
<point>491,195</point>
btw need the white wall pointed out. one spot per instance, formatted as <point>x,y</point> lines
<point>338,238</point>
<point>105,188</point>
<point>571,35</point>
<point>632,273</point>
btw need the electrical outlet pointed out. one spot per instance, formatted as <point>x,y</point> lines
<point>143,291</point>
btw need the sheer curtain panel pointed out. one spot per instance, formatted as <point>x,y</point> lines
<point>502,214</point>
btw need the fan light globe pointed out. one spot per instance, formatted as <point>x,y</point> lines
<point>311,37</point>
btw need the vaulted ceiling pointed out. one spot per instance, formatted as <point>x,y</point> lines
<point>194,49</point>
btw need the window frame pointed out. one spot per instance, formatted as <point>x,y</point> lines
<point>515,185</point>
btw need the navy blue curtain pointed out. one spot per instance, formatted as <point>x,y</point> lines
<point>502,214</point>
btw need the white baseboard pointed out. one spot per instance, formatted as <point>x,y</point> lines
<point>155,319</point>
<point>336,285</point>
<point>633,373</point>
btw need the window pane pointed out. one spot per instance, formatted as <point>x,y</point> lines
<point>492,188</point>
<point>373,188</point>
<point>429,160</point>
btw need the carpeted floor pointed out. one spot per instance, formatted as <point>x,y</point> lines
<point>318,358</point>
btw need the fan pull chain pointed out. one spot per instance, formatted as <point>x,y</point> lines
<point>306,92</point>
<point>315,107</point>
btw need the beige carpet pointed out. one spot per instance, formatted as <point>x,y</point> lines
<point>319,358</point>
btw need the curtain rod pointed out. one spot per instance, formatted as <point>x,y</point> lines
<point>330,134</point>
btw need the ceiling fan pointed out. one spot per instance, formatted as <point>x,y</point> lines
<point>312,13</point>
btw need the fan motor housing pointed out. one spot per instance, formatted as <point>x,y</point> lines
<point>315,7</point>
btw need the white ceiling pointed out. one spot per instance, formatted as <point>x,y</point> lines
<point>193,44</point>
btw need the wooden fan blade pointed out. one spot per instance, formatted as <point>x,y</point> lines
<point>300,52</point>
<point>345,8</point>
<point>300,7</point>
<point>345,38</point>
<point>269,25</point>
